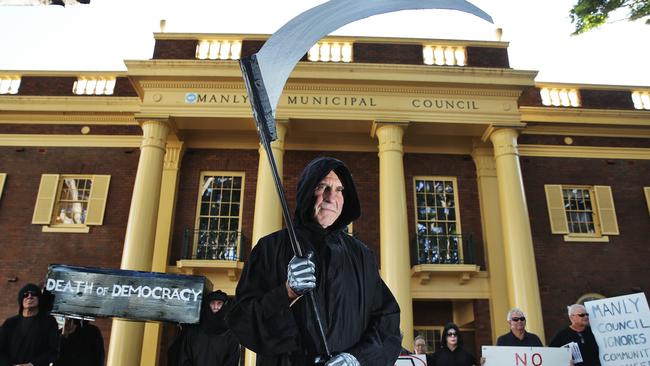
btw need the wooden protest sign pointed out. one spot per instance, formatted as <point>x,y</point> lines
<point>135,295</point>
<point>621,326</point>
<point>526,356</point>
<point>411,360</point>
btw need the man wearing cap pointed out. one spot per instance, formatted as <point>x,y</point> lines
<point>360,316</point>
<point>210,342</point>
<point>32,336</point>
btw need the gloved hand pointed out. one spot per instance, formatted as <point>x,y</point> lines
<point>301,274</point>
<point>343,359</point>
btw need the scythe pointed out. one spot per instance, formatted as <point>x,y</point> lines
<point>266,72</point>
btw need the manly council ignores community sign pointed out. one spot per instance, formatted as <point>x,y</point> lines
<point>136,295</point>
<point>621,326</point>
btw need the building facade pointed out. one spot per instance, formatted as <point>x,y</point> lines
<point>481,189</point>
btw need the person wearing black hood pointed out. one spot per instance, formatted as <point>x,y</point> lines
<point>359,313</point>
<point>210,343</point>
<point>32,336</point>
<point>452,352</point>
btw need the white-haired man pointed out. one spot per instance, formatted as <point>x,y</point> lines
<point>580,333</point>
<point>518,336</point>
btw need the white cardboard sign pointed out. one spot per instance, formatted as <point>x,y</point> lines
<point>526,356</point>
<point>621,326</point>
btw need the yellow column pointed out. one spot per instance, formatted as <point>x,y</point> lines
<point>393,223</point>
<point>521,272</point>
<point>488,193</point>
<point>166,208</point>
<point>268,210</point>
<point>126,336</point>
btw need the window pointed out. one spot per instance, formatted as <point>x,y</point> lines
<point>431,336</point>
<point>646,190</point>
<point>583,213</point>
<point>217,233</point>
<point>71,203</point>
<point>437,220</point>
<point>3,177</point>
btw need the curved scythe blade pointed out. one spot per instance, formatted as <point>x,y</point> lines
<point>288,45</point>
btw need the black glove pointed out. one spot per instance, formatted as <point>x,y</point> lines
<point>301,274</point>
<point>343,359</point>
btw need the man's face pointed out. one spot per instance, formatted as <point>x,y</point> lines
<point>420,347</point>
<point>517,321</point>
<point>328,203</point>
<point>30,300</point>
<point>577,319</point>
<point>215,306</point>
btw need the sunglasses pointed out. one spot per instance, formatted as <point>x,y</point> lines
<point>452,334</point>
<point>582,315</point>
<point>518,319</point>
<point>30,293</point>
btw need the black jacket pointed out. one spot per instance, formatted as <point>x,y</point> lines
<point>360,315</point>
<point>83,347</point>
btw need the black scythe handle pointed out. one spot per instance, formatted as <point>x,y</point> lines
<point>263,115</point>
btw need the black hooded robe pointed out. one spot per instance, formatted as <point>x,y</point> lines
<point>32,339</point>
<point>210,342</point>
<point>359,313</point>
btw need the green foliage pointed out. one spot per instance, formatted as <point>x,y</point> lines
<point>590,14</point>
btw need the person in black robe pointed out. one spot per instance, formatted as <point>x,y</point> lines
<point>82,344</point>
<point>32,336</point>
<point>452,353</point>
<point>359,313</point>
<point>210,342</point>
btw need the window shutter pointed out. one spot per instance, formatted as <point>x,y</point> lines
<point>646,190</point>
<point>3,177</point>
<point>555,205</point>
<point>97,200</point>
<point>46,198</point>
<point>606,211</point>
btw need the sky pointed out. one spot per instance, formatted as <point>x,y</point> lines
<point>100,36</point>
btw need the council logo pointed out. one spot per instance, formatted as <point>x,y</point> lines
<point>191,98</point>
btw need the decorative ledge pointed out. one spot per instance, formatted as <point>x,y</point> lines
<point>192,266</point>
<point>465,272</point>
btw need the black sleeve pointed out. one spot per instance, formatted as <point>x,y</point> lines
<point>185,352</point>
<point>559,340</point>
<point>381,341</point>
<point>233,352</point>
<point>4,345</point>
<point>261,318</point>
<point>98,345</point>
<point>51,353</point>
<point>501,341</point>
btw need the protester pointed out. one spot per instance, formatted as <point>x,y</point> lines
<point>210,343</point>
<point>81,344</point>
<point>579,332</point>
<point>451,352</point>
<point>518,336</point>
<point>360,315</point>
<point>32,336</point>
<point>420,348</point>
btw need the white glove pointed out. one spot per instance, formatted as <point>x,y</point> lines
<point>301,274</point>
<point>343,359</point>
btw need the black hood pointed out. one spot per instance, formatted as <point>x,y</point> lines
<point>214,323</point>
<point>311,176</point>
<point>443,339</point>
<point>21,293</point>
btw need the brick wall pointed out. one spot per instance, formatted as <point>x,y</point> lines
<point>568,270</point>
<point>26,250</point>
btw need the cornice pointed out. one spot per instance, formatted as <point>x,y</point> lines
<point>75,118</point>
<point>70,140</point>
<point>587,152</point>
<point>585,116</point>
<point>594,131</point>
<point>69,104</point>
